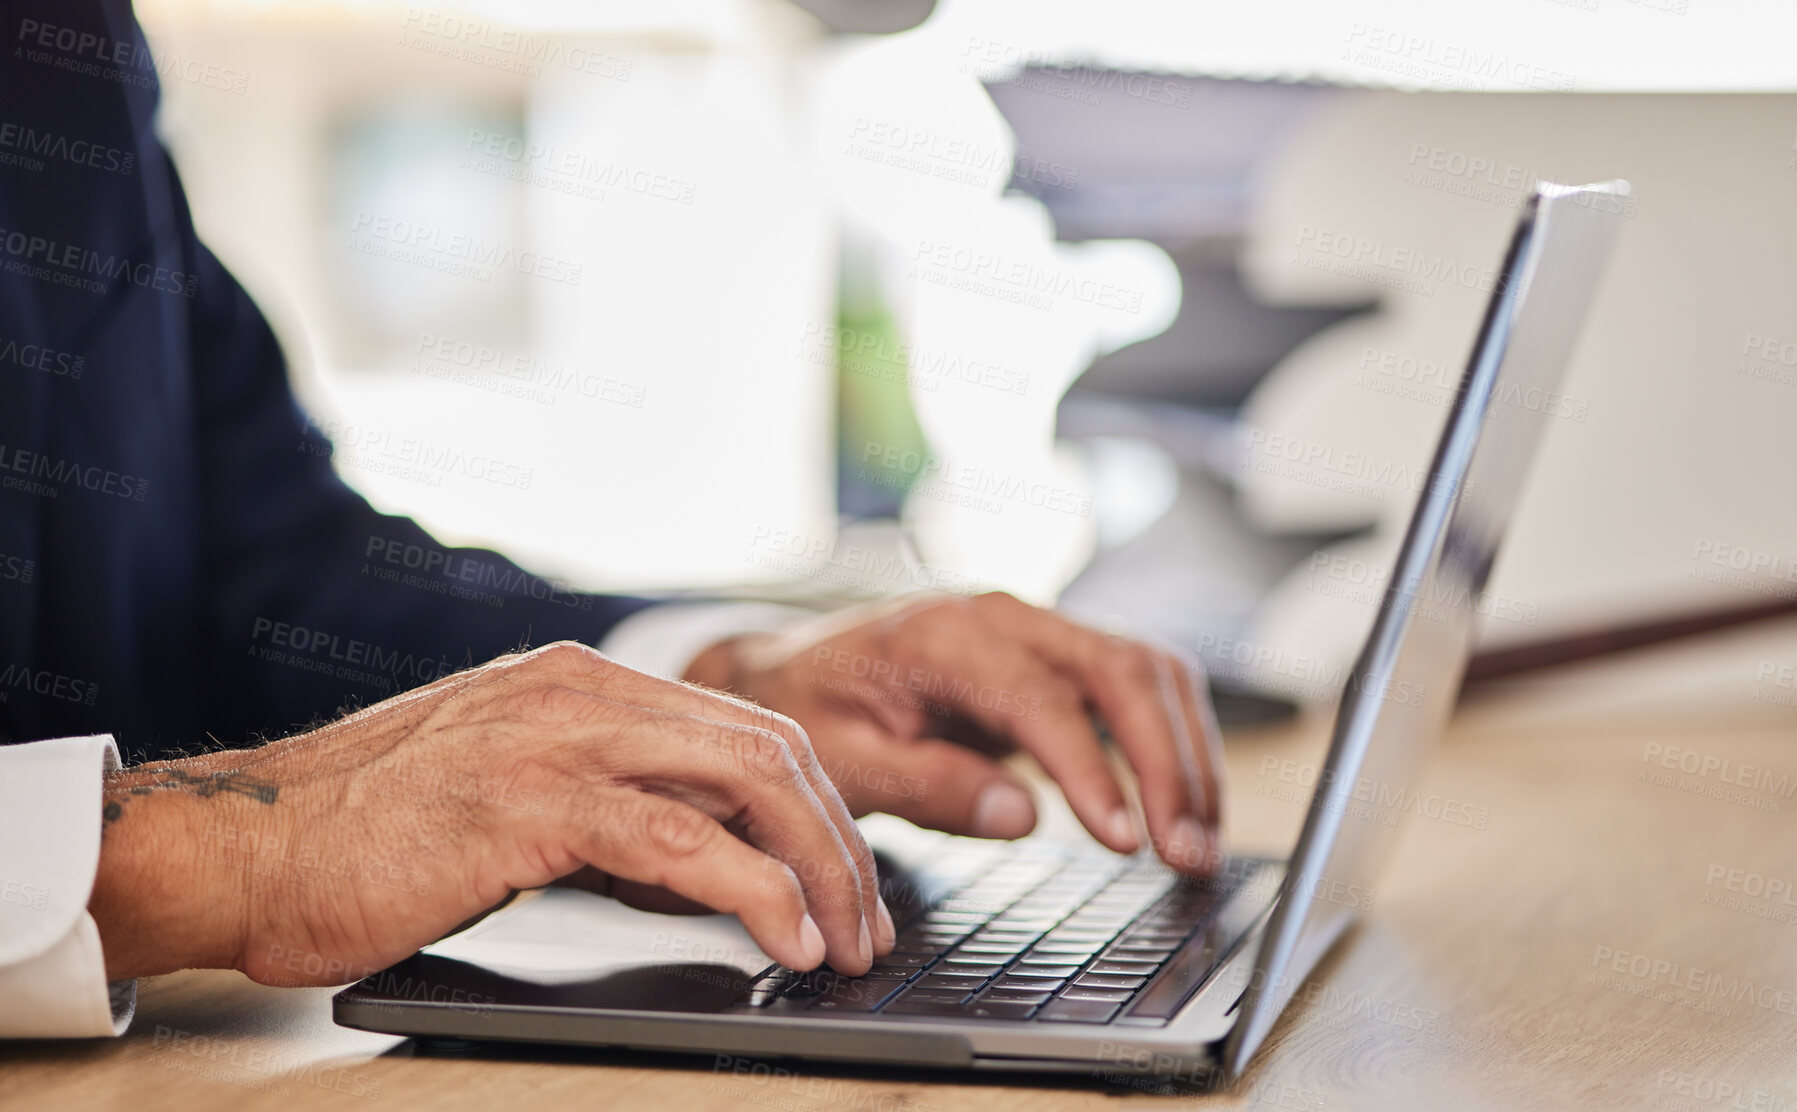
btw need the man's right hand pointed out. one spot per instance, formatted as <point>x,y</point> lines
<point>355,844</point>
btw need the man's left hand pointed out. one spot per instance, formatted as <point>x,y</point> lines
<point>907,702</point>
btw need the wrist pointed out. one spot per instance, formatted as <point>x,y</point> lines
<point>170,891</point>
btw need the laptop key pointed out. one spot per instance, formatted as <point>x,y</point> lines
<point>980,908</point>
<point>988,948</point>
<point>896,960</point>
<point>1124,968</point>
<point>1097,935</point>
<point>856,996</point>
<point>1139,951</point>
<point>949,981</point>
<point>927,944</point>
<point>934,1002</point>
<point>1027,922</point>
<point>998,1009</point>
<point>935,921</point>
<point>938,995</point>
<point>1063,952</point>
<point>966,968</point>
<point>1172,936</point>
<point>806,985</point>
<point>1109,980</point>
<point>1018,938</point>
<point>1107,995</point>
<point>1001,994</point>
<point>1063,1010</point>
<point>1058,971</point>
<point>916,945</point>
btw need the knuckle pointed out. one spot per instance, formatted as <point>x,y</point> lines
<point>998,600</point>
<point>832,883</point>
<point>799,744</point>
<point>1133,664</point>
<point>948,608</point>
<point>862,854</point>
<point>782,881</point>
<point>762,754</point>
<point>1059,698</point>
<point>676,831</point>
<point>775,722</point>
<point>565,656</point>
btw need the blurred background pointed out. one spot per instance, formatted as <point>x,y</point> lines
<point>1152,310</point>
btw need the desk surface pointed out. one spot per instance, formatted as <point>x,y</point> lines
<point>1601,937</point>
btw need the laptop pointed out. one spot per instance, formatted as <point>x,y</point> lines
<point>1038,956</point>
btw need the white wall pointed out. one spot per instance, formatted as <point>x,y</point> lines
<point>1676,440</point>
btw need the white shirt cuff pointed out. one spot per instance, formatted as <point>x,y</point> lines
<point>664,639</point>
<point>52,971</point>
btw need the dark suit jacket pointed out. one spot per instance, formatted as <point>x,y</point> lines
<point>178,560</point>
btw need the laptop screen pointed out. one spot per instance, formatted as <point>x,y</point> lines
<point>1404,684</point>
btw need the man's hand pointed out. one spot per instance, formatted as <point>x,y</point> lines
<point>896,697</point>
<point>353,845</point>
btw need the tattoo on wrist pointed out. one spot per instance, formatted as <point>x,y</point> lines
<point>207,785</point>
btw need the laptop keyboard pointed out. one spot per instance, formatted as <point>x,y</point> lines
<point>1034,933</point>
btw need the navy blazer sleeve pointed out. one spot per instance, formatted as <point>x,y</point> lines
<point>313,600</point>
<point>178,560</point>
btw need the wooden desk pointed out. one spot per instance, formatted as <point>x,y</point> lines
<point>1583,949</point>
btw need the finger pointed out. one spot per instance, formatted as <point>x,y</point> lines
<point>744,777</point>
<point>769,799</point>
<point>1142,693</point>
<point>1007,690</point>
<point>1178,817</point>
<point>650,840</point>
<point>1207,738</point>
<point>933,783</point>
<point>587,669</point>
<point>874,910</point>
<point>1137,693</point>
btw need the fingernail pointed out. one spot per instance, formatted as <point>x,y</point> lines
<point>1189,847</point>
<point>866,944</point>
<point>811,942</point>
<point>1122,831</point>
<point>883,923</point>
<point>1004,811</point>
